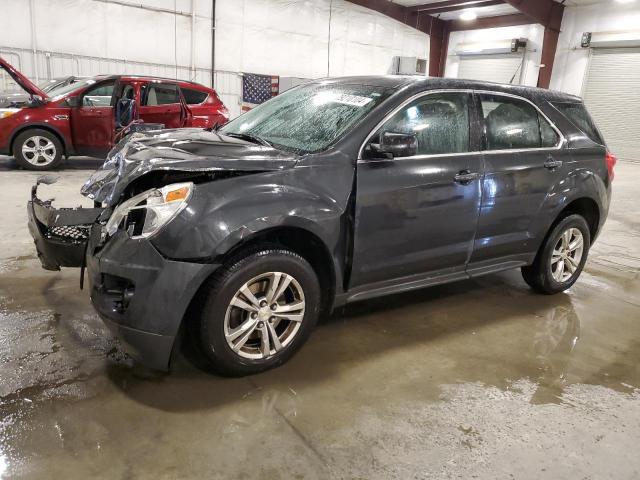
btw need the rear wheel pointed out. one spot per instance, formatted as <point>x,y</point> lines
<point>37,149</point>
<point>259,312</point>
<point>561,258</point>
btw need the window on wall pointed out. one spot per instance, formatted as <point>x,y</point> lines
<point>511,123</point>
<point>439,121</point>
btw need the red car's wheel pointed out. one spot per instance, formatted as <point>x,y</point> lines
<point>37,149</point>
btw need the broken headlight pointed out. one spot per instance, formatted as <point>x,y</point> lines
<point>146,213</point>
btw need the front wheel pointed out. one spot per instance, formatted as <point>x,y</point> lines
<point>259,312</point>
<point>37,149</point>
<point>561,258</point>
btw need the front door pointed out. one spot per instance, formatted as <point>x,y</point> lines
<point>417,214</point>
<point>523,162</point>
<point>161,103</point>
<point>93,120</point>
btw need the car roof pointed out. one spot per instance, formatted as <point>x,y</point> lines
<point>144,77</point>
<point>415,82</point>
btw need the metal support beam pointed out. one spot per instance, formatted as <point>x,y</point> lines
<point>491,22</point>
<point>393,10</point>
<point>545,12</point>
<point>549,46</point>
<point>453,5</point>
<point>438,46</point>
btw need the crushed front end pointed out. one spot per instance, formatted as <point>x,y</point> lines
<point>60,234</point>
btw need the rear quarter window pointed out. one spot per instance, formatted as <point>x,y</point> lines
<point>194,97</point>
<point>578,115</point>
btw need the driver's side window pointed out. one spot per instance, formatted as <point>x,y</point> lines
<point>439,122</point>
<point>98,95</point>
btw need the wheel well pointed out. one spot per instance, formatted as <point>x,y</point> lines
<point>588,209</point>
<point>38,127</point>
<point>304,243</point>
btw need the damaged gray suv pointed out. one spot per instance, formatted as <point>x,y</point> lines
<point>336,191</point>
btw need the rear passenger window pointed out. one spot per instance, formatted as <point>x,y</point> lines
<point>578,115</point>
<point>439,121</point>
<point>194,97</point>
<point>154,94</point>
<point>509,123</point>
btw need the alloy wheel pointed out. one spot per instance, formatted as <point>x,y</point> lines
<point>567,254</point>
<point>38,150</point>
<point>264,315</point>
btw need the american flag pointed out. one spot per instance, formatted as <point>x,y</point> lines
<point>257,89</point>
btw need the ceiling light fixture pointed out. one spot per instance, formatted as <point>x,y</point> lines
<point>468,15</point>
<point>625,1</point>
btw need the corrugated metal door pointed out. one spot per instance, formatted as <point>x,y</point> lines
<point>499,68</point>
<point>612,96</point>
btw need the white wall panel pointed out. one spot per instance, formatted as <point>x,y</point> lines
<point>534,34</point>
<point>291,38</point>
<point>571,60</point>
<point>278,37</point>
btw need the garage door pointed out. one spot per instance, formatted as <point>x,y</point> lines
<point>612,95</point>
<point>501,68</point>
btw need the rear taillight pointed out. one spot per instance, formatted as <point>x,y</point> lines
<point>610,160</point>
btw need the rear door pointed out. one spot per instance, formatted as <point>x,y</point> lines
<point>417,215</point>
<point>160,103</point>
<point>93,120</point>
<point>524,160</point>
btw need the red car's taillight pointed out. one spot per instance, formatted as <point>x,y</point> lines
<point>610,160</point>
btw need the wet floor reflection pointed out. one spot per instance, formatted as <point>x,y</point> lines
<point>67,390</point>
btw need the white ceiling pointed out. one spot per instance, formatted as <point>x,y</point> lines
<point>490,11</point>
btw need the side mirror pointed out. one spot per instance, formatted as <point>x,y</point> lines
<point>392,144</point>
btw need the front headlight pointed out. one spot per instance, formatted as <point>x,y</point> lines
<point>145,214</point>
<point>7,112</point>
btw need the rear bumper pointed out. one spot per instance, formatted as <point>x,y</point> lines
<point>141,295</point>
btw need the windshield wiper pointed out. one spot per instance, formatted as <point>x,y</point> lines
<point>250,138</point>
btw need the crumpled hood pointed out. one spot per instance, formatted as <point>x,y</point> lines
<point>179,150</point>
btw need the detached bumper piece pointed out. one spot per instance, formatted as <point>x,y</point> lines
<point>60,234</point>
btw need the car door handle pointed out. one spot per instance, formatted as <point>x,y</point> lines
<point>465,176</point>
<point>551,163</point>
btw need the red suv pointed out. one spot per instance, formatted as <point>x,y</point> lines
<point>88,117</point>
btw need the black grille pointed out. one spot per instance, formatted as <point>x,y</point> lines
<point>76,233</point>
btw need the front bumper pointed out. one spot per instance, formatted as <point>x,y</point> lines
<point>141,295</point>
<point>60,234</point>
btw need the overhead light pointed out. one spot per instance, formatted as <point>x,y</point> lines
<point>625,1</point>
<point>468,15</point>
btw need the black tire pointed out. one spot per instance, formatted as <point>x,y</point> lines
<point>208,331</point>
<point>48,138</point>
<point>539,275</point>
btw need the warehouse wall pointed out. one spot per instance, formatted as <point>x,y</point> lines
<point>291,38</point>
<point>121,37</point>
<point>278,37</point>
<point>571,60</point>
<point>534,34</point>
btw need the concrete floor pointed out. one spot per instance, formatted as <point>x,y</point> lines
<point>479,379</point>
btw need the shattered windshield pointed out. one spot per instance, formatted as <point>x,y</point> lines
<point>308,118</point>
